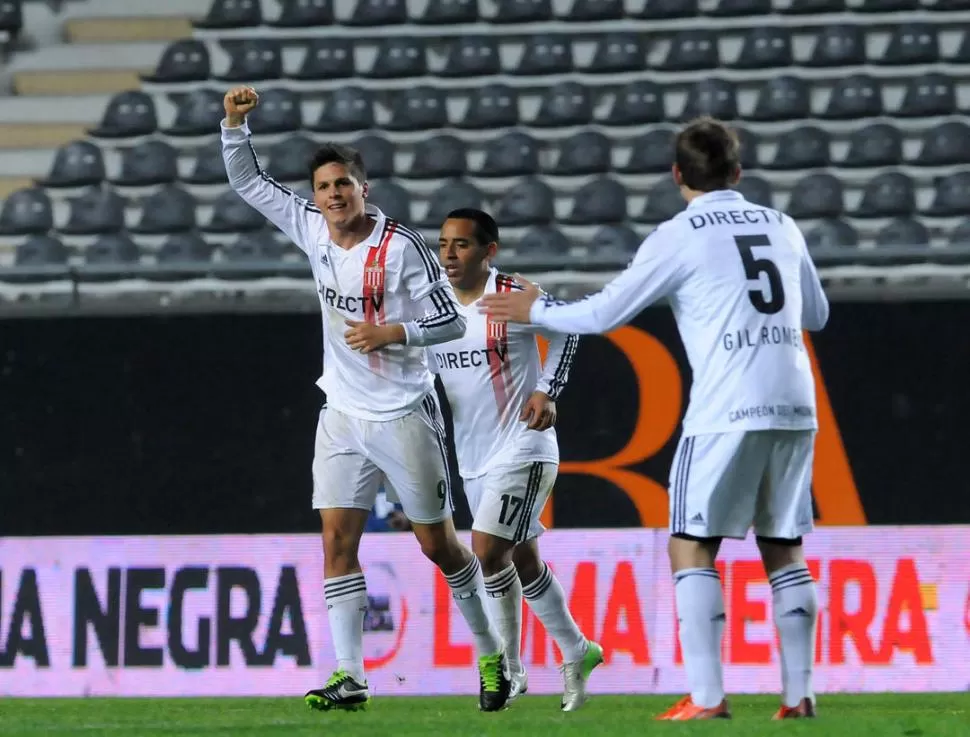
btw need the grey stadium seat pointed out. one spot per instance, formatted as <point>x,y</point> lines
<point>327,58</point>
<point>663,202</point>
<point>169,210</point>
<point>76,164</point>
<point>378,13</point>
<point>667,9</point>
<point>928,95</point>
<point>491,106</point>
<point>279,111</point>
<point>913,43</point>
<point>888,194</point>
<point>112,249</point>
<point>839,45</point>
<point>765,47</point>
<point>856,96</point>
<point>393,200</point>
<point>944,144</point>
<point>208,167</point>
<point>11,16</point>
<point>565,104</point>
<point>651,153</point>
<point>756,190</point>
<point>951,196</point>
<point>542,240</point>
<point>252,60</point>
<point>832,233</point>
<point>805,147</point>
<point>886,6</point>
<point>522,11</point>
<point>736,8</point>
<point>784,97</point>
<point>511,154</point>
<point>903,232</point>
<point>546,53</point>
<point>586,152</point>
<point>40,250</point>
<point>303,14</point>
<point>472,56</point>
<point>750,158</point>
<point>948,5</point>
<point>226,14</point>
<point>449,12</point>
<point>254,247</point>
<point>96,212</point>
<point>529,202</point>
<point>638,103</point>
<point>602,200</point>
<point>811,7</point>
<point>288,158</point>
<point>182,61</point>
<point>439,156</point>
<point>185,248</point>
<point>960,235</point>
<point>617,52</point>
<point>27,212</point>
<point>714,97</point>
<point>231,214</point>
<point>128,114</point>
<point>150,162</point>
<point>418,108</point>
<point>816,196</point>
<point>399,57</point>
<point>962,55</point>
<point>692,49</point>
<point>619,241</point>
<point>585,11</point>
<point>345,109</point>
<point>378,155</point>
<point>198,113</point>
<point>450,196</point>
<point>876,144</point>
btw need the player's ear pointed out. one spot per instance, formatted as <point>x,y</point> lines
<point>365,189</point>
<point>737,176</point>
<point>492,249</point>
<point>678,177</point>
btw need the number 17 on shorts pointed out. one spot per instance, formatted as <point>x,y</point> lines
<point>506,502</point>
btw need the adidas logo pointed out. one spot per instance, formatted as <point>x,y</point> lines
<point>796,612</point>
<point>697,518</point>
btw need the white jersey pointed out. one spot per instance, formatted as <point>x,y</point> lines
<point>488,376</point>
<point>391,277</point>
<point>742,287</point>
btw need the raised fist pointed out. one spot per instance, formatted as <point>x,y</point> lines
<point>239,102</point>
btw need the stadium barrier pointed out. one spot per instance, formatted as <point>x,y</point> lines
<point>245,615</point>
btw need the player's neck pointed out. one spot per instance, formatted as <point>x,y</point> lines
<point>467,295</point>
<point>355,232</point>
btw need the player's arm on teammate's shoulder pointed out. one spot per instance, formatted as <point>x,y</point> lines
<point>815,305</point>
<point>281,206</point>
<point>427,285</point>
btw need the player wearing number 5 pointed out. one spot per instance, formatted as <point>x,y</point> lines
<point>742,287</point>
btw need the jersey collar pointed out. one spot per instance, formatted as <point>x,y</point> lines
<point>718,195</point>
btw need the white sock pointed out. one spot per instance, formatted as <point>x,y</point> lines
<point>503,602</point>
<point>346,605</point>
<point>794,604</point>
<point>468,589</point>
<point>700,612</point>
<point>547,599</point>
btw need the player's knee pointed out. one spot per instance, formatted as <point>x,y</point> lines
<point>340,542</point>
<point>527,561</point>
<point>494,553</point>
<point>690,551</point>
<point>778,552</point>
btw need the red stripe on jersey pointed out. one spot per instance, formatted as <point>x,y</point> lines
<point>375,274</point>
<point>497,350</point>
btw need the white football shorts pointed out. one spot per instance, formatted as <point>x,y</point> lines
<point>507,500</point>
<point>723,484</point>
<point>353,457</point>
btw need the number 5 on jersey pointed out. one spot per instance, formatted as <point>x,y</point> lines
<point>754,267</point>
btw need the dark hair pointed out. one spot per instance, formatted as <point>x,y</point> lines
<point>708,155</point>
<point>486,230</point>
<point>336,153</point>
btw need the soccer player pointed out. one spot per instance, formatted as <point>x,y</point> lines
<point>503,403</point>
<point>743,288</point>
<point>384,299</point>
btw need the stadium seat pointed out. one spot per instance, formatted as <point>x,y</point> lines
<point>838,45</point>
<point>279,111</point>
<point>565,104</point>
<point>887,195</point>
<point>783,98</point>
<point>99,211</point>
<point>619,52</point>
<point>586,152</point>
<point>231,214</point>
<point>11,16</point>
<point>147,163</point>
<point>944,144</point>
<point>510,154</point>
<point>449,196</point>
<point>373,13</point>
<point>638,103</point>
<point>542,240</point>
<point>522,11</point>
<point>345,109</point>
<point>399,57</point>
<point>208,167</point>
<point>651,152</point>
<point>886,6</point>
<point>112,249</point>
<point>27,212</point>
<point>259,246</point>
<point>185,248</point>
<point>951,195</point>
<point>663,202</point>
<point>303,14</point>
<point>225,14</point>
<point>714,97</point>
<point>928,95</point>
<point>393,199</point>
<point>40,250</point>
<point>692,49</point>
<point>765,47</point>
<point>449,12</point>
<point>832,233</point>
<point>813,7</point>
<point>666,9</point>
<point>439,157</point>
<point>182,61</point>
<point>197,113</point>
<point>912,43</point>
<point>169,210</point>
<point>855,96</point>
<point>816,196</point>
<point>252,60</point>
<point>756,189</point>
<point>950,5</point>
<point>129,114</point>
<point>962,53</point>
<point>750,158</point>
<point>378,155</point>
<point>876,144</point>
<point>586,11</point>
<point>546,54</point>
<point>288,158</point>
<point>77,164</point>
<point>472,56</point>
<point>602,200</point>
<point>960,235</point>
<point>490,107</point>
<point>903,232</point>
<point>325,59</point>
<point>418,108</point>
<point>736,8</point>
<point>804,147</point>
<point>614,242</point>
<point>529,202</point>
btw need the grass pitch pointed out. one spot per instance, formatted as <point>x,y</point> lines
<point>881,715</point>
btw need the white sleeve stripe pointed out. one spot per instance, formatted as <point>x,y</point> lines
<point>307,205</point>
<point>431,266</point>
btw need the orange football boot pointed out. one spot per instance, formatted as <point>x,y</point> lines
<point>804,710</point>
<point>686,709</point>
